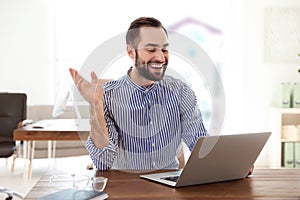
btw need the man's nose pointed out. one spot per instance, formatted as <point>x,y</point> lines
<point>160,56</point>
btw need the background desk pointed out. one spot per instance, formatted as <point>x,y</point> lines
<point>53,129</point>
<point>263,184</point>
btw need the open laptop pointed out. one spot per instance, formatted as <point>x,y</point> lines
<point>215,159</point>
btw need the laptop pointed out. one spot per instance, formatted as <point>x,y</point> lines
<point>215,159</point>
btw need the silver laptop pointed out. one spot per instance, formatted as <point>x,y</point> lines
<point>215,159</point>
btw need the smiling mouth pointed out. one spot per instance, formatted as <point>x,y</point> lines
<point>156,65</point>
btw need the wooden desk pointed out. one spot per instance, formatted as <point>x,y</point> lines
<point>53,129</point>
<point>263,184</point>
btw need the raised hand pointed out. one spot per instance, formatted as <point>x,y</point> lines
<point>93,94</point>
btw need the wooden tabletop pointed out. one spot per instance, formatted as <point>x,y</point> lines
<point>263,184</point>
<point>54,129</point>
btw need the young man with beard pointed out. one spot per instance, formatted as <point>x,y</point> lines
<point>139,121</point>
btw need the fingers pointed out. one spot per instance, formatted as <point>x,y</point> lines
<point>94,77</point>
<point>73,73</point>
<point>76,76</point>
<point>97,81</point>
<point>251,170</point>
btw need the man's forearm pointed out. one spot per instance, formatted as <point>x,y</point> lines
<point>99,133</point>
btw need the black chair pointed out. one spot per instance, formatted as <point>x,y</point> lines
<point>10,194</point>
<point>12,114</point>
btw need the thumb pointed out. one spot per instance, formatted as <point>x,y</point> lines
<point>94,77</point>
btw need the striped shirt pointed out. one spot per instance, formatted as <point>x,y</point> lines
<point>147,125</point>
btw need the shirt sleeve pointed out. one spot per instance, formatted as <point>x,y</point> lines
<point>192,126</point>
<point>103,158</point>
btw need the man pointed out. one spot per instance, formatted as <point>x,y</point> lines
<point>139,121</point>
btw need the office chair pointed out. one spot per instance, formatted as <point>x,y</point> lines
<point>12,113</point>
<point>10,194</point>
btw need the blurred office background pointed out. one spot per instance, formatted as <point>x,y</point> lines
<point>40,40</point>
<point>253,44</point>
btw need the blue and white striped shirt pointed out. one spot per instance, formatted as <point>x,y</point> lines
<point>147,125</point>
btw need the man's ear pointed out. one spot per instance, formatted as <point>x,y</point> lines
<point>130,51</point>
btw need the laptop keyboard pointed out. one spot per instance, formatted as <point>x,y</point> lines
<point>171,178</point>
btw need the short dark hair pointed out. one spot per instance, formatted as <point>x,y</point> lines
<point>132,36</point>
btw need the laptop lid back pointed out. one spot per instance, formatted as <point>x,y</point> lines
<point>222,158</point>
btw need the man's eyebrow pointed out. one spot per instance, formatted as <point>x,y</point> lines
<point>155,45</point>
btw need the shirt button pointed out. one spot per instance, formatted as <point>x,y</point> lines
<point>153,145</point>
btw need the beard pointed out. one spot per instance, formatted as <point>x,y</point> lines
<point>144,69</point>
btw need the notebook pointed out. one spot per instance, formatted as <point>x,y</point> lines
<point>74,194</point>
<point>215,159</point>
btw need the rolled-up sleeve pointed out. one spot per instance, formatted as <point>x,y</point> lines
<point>103,158</point>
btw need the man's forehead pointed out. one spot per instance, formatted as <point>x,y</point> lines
<point>153,36</point>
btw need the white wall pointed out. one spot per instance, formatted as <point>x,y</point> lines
<point>24,49</point>
<point>261,80</point>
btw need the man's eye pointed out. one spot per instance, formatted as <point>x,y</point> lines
<point>154,50</point>
<point>151,50</point>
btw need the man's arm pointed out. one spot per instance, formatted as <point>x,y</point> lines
<point>93,94</point>
<point>191,118</point>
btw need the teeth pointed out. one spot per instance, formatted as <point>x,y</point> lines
<point>157,66</point>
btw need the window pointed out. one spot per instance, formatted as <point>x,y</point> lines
<point>81,26</point>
